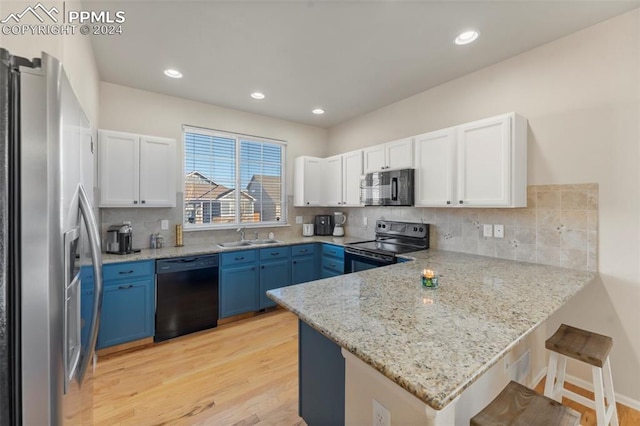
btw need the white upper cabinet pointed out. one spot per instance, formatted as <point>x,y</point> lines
<point>157,176</point>
<point>478,164</point>
<point>435,168</point>
<point>492,162</point>
<point>307,184</point>
<point>389,156</point>
<point>374,159</point>
<point>332,181</point>
<point>351,175</point>
<point>136,170</point>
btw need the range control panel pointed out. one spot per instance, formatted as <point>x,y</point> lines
<point>404,229</point>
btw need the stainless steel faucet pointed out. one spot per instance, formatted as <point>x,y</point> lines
<point>241,231</point>
<point>255,235</point>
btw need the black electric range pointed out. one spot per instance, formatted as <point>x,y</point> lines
<point>392,239</point>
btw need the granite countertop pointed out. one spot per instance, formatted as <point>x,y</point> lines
<point>212,248</point>
<point>434,343</point>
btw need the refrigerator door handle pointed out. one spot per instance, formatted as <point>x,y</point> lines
<point>96,258</point>
<point>71,328</point>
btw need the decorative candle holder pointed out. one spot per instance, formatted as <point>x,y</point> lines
<point>429,278</point>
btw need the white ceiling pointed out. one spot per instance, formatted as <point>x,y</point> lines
<point>346,57</point>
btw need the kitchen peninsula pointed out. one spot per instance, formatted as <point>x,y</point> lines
<point>426,346</point>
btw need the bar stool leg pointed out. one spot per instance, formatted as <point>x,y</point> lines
<point>554,384</point>
<point>599,396</point>
<point>612,409</point>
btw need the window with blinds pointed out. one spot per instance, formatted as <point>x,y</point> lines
<point>232,179</point>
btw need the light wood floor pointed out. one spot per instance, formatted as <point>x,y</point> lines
<point>243,373</point>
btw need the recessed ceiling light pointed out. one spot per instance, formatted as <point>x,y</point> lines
<point>467,37</point>
<point>257,95</point>
<point>318,111</point>
<point>173,73</point>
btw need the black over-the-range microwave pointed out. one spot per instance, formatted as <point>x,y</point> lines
<point>387,188</point>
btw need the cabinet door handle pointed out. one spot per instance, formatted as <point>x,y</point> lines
<point>461,202</point>
<point>125,272</point>
<point>253,269</point>
<point>307,203</point>
<point>125,287</point>
<point>135,202</point>
<point>295,261</point>
<point>261,266</point>
<point>333,265</point>
<point>275,253</point>
<point>304,251</point>
<point>142,201</point>
<point>239,258</point>
<point>448,202</point>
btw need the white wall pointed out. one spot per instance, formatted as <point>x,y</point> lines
<point>133,110</point>
<point>581,96</point>
<point>74,51</point>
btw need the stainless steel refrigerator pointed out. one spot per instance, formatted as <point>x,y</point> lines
<point>48,234</point>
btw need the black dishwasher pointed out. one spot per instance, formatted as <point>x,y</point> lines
<point>187,296</point>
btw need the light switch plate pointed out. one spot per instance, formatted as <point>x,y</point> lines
<point>498,231</point>
<point>164,224</point>
<point>299,220</point>
<point>487,231</point>
<point>365,221</point>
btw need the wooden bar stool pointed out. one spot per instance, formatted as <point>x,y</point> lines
<point>587,347</point>
<point>517,405</point>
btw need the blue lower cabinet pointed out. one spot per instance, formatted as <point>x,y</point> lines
<point>127,312</point>
<point>238,289</point>
<point>332,261</point>
<point>321,378</point>
<point>273,274</point>
<point>303,269</point>
<point>128,303</point>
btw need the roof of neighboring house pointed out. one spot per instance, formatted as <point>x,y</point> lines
<point>199,187</point>
<point>272,185</point>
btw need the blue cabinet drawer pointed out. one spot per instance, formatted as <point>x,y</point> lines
<point>238,257</point>
<point>331,250</point>
<point>275,253</point>
<point>333,264</point>
<point>127,270</point>
<point>303,250</point>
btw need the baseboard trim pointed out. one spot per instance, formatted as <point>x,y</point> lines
<point>584,384</point>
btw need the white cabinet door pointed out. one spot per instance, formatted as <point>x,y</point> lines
<point>118,169</point>
<point>351,175</point>
<point>374,159</point>
<point>307,184</point>
<point>435,168</point>
<point>157,172</point>
<point>333,181</point>
<point>484,162</point>
<point>399,154</point>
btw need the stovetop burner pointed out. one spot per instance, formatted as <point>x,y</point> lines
<point>394,238</point>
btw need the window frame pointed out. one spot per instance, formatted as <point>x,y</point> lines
<point>238,138</point>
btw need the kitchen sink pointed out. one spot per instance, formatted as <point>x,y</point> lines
<point>233,244</point>
<point>265,241</point>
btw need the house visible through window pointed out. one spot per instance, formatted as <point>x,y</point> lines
<point>232,179</point>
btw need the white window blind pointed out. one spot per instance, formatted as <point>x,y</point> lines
<point>232,179</point>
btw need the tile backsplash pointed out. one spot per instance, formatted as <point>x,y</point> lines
<point>558,227</point>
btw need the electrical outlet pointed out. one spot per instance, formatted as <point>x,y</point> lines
<point>381,416</point>
<point>365,221</point>
<point>498,231</point>
<point>487,231</point>
<point>299,220</point>
<point>164,224</point>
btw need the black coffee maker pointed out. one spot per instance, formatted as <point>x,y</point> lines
<point>323,224</point>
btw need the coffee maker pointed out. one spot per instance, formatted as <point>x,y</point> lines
<point>120,239</point>
<point>323,224</point>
